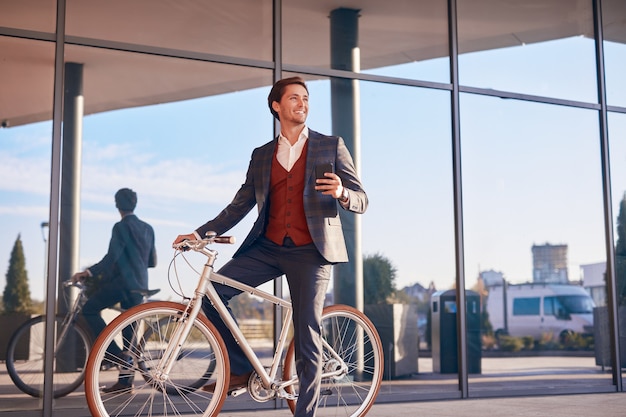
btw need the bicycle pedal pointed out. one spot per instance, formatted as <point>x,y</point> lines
<point>326,392</point>
<point>237,392</point>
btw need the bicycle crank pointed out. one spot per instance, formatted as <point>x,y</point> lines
<point>257,391</point>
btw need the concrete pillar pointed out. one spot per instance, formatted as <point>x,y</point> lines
<point>344,30</point>
<point>69,214</point>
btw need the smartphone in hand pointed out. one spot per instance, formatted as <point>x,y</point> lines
<point>322,168</point>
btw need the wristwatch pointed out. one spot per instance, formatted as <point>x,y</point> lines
<point>344,195</point>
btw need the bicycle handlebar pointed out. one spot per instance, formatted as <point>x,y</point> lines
<point>76,284</point>
<point>198,244</point>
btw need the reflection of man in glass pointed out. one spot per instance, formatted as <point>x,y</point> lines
<point>122,275</point>
<point>298,232</point>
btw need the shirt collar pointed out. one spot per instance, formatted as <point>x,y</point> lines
<point>304,135</point>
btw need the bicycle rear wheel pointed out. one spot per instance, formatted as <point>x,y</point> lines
<point>359,352</point>
<point>25,356</point>
<point>203,359</point>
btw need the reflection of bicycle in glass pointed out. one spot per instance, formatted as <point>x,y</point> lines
<point>351,375</point>
<point>25,350</point>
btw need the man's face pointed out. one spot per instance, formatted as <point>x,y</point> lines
<point>294,105</point>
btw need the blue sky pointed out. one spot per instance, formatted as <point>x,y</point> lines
<point>531,172</point>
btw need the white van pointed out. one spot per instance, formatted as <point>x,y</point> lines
<point>539,309</point>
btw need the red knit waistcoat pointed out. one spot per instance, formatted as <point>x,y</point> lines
<point>286,215</point>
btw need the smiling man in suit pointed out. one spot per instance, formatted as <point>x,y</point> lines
<point>298,232</point>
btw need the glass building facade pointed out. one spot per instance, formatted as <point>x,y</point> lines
<point>481,129</point>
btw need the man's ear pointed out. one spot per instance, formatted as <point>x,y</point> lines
<point>275,106</point>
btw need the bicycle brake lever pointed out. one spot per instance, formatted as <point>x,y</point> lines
<point>182,246</point>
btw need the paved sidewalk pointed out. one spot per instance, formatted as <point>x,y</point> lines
<point>585,405</point>
<point>517,381</point>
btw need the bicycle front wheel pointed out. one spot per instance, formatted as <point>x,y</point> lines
<point>25,356</point>
<point>193,369</point>
<point>144,332</point>
<point>352,368</point>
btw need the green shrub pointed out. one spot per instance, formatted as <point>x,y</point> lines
<point>547,342</point>
<point>510,344</point>
<point>528,342</point>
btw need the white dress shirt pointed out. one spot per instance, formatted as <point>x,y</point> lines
<point>287,154</point>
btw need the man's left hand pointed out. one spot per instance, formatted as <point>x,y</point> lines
<point>331,185</point>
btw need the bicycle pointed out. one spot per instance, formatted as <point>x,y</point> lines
<point>352,355</point>
<point>25,351</point>
<point>26,354</point>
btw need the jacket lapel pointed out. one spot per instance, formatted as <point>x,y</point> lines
<point>311,158</point>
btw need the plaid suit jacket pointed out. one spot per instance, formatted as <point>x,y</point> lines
<point>321,211</point>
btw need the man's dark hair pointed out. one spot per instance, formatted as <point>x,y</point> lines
<point>125,199</point>
<point>279,89</point>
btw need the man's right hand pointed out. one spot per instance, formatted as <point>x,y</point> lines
<point>79,276</point>
<point>182,238</point>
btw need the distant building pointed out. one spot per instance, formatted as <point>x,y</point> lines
<point>418,291</point>
<point>550,264</point>
<point>593,280</point>
<point>491,278</point>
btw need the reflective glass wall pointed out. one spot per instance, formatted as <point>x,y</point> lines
<point>25,175</point>
<point>617,134</point>
<point>523,256</point>
<point>175,101</point>
<point>532,171</point>
<point>616,87</point>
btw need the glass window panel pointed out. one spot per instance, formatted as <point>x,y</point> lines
<point>39,15</point>
<point>617,135</point>
<point>419,242</point>
<point>531,178</point>
<point>614,25</point>
<point>241,28</point>
<point>26,136</point>
<point>27,69</point>
<point>176,142</point>
<point>26,63</point>
<point>545,50</point>
<point>395,38</point>
<point>25,191</point>
<point>526,306</point>
<point>548,305</point>
<point>408,163</point>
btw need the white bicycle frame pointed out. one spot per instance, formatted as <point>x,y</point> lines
<point>205,287</point>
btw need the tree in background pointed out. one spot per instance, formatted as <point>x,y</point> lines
<point>16,296</point>
<point>620,253</point>
<point>378,279</point>
<point>483,293</point>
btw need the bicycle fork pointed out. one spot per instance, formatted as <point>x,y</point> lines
<point>68,320</point>
<point>183,327</point>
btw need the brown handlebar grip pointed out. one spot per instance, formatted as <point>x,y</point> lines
<point>224,239</point>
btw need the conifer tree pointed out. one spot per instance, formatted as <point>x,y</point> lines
<point>16,296</point>
<point>378,279</point>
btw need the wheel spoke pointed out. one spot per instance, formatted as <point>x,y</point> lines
<point>356,345</point>
<point>201,360</point>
